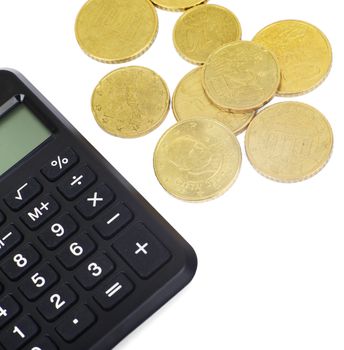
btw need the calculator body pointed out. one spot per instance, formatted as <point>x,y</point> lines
<point>84,259</point>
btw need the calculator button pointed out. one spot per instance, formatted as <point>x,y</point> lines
<point>23,194</point>
<point>40,212</point>
<point>43,343</point>
<point>38,282</point>
<point>9,308</point>
<point>19,334</point>
<point>57,302</point>
<point>76,324</point>
<point>95,201</point>
<point>60,164</point>
<point>114,291</point>
<point>60,230</point>
<point>2,217</point>
<point>94,271</point>
<point>77,251</point>
<point>142,250</point>
<point>9,238</point>
<point>77,183</point>
<point>20,262</point>
<point>114,219</point>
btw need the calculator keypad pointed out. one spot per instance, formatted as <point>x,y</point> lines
<point>101,274</point>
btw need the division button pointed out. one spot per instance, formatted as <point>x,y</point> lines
<point>23,194</point>
<point>77,183</point>
<point>76,323</point>
<point>142,250</point>
<point>114,291</point>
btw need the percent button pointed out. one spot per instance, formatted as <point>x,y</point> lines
<point>60,164</point>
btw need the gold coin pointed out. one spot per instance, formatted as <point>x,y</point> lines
<point>197,160</point>
<point>203,29</point>
<point>130,102</point>
<point>191,102</point>
<point>177,5</point>
<point>289,142</point>
<point>114,31</point>
<point>241,76</point>
<point>304,54</point>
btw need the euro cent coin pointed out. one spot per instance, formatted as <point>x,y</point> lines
<point>130,102</point>
<point>197,160</point>
<point>191,102</point>
<point>115,31</point>
<point>177,5</point>
<point>289,142</point>
<point>241,76</point>
<point>202,29</point>
<point>304,54</point>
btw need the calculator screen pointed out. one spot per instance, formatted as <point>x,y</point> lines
<point>20,133</point>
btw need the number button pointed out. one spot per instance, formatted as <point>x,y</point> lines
<point>114,291</point>
<point>43,344</point>
<point>77,183</point>
<point>76,324</point>
<point>39,282</point>
<point>40,212</point>
<point>58,232</point>
<point>57,302</point>
<point>77,251</point>
<point>23,194</point>
<point>94,271</point>
<point>20,262</point>
<point>9,308</point>
<point>114,219</point>
<point>20,334</point>
<point>9,238</point>
<point>60,164</point>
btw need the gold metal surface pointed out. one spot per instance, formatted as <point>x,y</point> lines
<point>197,160</point>
<point>177,5</point>
<point>241,76</point>
<point>203,29</point>
<point>191,102</point>
<point>304,54</point>
<point>114,31</point>
<point>130,102</point>
<point>289,142</point>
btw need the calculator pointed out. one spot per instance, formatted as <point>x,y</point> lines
<point>84,259</point>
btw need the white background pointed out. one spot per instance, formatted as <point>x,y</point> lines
<point>271,256</point>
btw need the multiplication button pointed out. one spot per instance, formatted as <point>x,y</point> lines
<point>142,250</point>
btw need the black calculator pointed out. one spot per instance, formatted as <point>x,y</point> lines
<point>84,259</point>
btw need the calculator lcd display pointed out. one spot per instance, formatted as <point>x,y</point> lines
<point>20,133</point>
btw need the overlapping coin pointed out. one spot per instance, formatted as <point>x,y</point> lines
<point>130,102</point>
<point>177,5</point>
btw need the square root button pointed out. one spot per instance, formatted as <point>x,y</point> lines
<point>141,250</point>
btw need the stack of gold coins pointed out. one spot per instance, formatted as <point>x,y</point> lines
<point>199,157</point>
